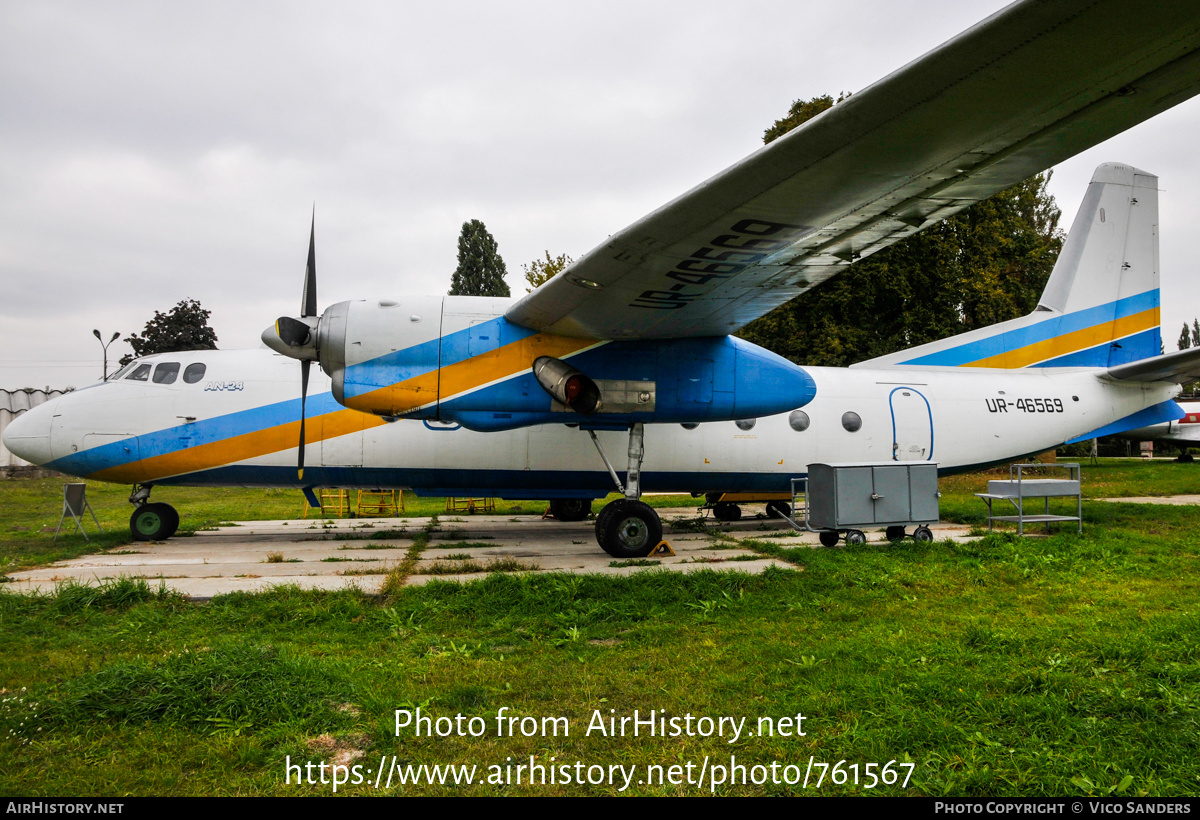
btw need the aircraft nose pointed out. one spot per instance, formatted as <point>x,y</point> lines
<point>28,435</point>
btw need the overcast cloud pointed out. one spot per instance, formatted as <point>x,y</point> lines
<point>151,152</point>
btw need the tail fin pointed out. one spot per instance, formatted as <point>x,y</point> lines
<point>1100,307</point>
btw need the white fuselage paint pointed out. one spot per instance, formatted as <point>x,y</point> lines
<point>957,417</point>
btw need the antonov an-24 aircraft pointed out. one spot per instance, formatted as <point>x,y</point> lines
<point>630,347</point>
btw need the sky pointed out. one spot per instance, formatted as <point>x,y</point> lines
<point>153,152</point>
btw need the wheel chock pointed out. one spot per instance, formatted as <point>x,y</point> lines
<point>663,550</point>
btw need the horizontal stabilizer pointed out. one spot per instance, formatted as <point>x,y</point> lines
<point>1158,414</point>
<point>1180,367</point>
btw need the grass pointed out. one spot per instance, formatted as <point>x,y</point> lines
<point>1012,667</point>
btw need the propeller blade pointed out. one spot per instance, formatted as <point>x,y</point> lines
<point>304,365</point>
<point>308,300</point>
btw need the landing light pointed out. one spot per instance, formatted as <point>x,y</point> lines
<point>585,283</point>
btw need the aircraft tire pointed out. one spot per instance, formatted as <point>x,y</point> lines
<point>628,529</point>
<point>895,534</point>
<point>779,509</point>
<point>571,509</point>
<point>153,522</point>
<point>829,538</point>
<point>727,511</point>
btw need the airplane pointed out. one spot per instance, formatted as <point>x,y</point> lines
<point>527,398</point>
<point>1183,433</point>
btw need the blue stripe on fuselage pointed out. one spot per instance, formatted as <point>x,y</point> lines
<point>1051,327</point>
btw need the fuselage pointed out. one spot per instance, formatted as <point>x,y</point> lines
<point>237,423</point>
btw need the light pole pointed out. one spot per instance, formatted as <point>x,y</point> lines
<point>105,345</point>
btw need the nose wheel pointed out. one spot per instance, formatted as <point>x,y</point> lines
<point>150,522</point>
<point>153,522</point>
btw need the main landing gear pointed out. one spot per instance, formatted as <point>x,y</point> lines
<point>151,522</point>
<point>571,509</point>
<point>628,527</point>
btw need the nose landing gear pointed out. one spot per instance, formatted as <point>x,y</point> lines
<point>151,522</point>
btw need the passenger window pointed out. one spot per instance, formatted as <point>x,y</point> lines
<point>166,372</point>
<point>193,373</point>
<point>140,374</point>
<point>799,420</point>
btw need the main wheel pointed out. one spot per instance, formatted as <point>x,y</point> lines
<point>779,509</point>
<point>571,509</point>
<point>628,529</point>
<point>603,516</point>
<point>829,538</point>
<point>727,511</point>
<point>153,522</point>
<point>895,533</point>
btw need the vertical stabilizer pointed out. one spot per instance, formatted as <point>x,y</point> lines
<point>1100,307</point>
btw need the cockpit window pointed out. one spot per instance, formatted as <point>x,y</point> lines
<point>140,374</point>
<point>166,372</point>
<point>193,372</point>
<point>120,373</point>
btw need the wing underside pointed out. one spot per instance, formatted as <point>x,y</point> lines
<point>1026,88</point>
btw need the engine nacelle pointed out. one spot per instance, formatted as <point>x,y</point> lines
<point>457,359</point>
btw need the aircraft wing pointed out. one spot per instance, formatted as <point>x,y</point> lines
<point>1026,88</point>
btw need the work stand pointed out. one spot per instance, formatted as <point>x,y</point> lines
<point>1020,487</point>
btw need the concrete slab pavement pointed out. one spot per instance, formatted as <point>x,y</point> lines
<point>256,555</point>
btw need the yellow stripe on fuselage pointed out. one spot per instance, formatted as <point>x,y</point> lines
<point>411,394</point>
<point>1071,342</point>
<point>467,375</point>
<point>239,448</point>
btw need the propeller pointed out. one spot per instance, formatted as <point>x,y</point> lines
<point>296,337</point>
<point>308,309</point>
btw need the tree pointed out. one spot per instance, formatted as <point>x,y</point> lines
<point>538,272</point>
<point>1185,338</point>
<point>986,264</point>
<point>480,270</point>
<point>801,112</point>
<point>185,327</point>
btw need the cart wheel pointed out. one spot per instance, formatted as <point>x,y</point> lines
<point>855,537</point>
<point>829,538</point>
<point>923,534</point>
<point>895,534</point>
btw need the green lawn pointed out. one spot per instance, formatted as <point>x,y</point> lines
<point>1037,666</point>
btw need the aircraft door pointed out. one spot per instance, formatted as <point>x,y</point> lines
<point>912,425</point>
